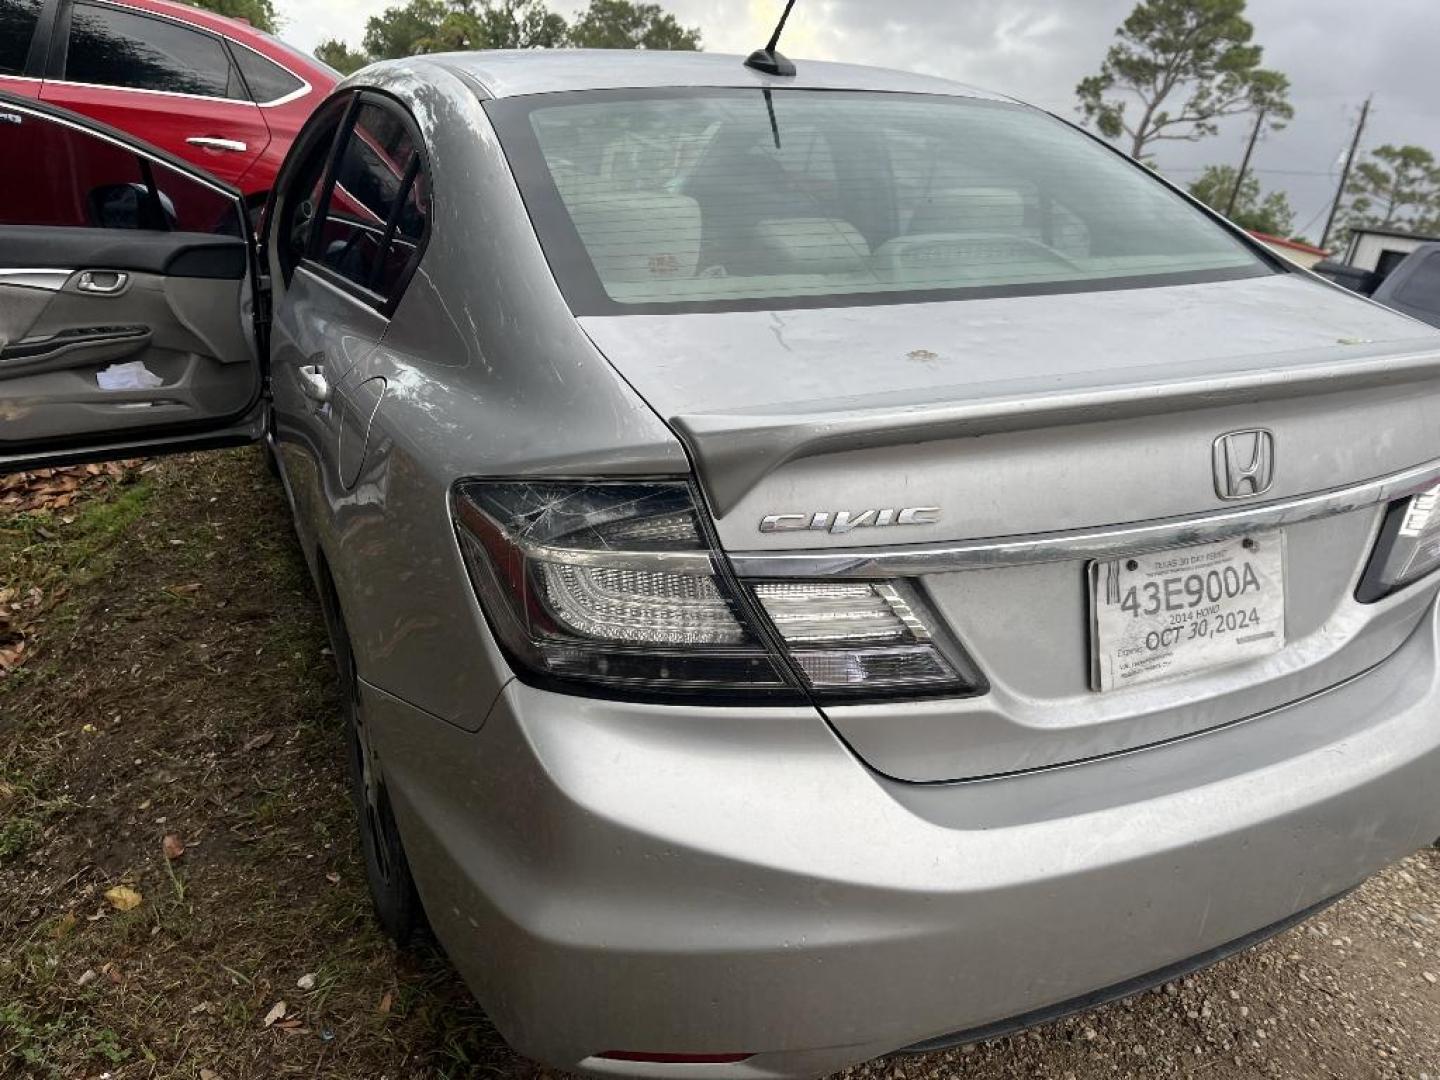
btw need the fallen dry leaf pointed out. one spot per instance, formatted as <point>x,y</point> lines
<point>333,878</point>
<point>183,590</point>
<point>53,489</point>
<point>260,741</point>
<point>123,898</point>
<point>173,846</point>
<point>63,925</point>
<point>209,1074</point>
<point>306,981</point>
<point>277,1012</point>
<point>385,1003</point>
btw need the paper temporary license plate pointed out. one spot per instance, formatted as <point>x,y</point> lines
<point>1169,613</point>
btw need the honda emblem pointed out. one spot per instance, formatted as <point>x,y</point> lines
<point>1244,463</point>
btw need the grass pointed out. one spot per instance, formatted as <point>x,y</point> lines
<point>175,625</point>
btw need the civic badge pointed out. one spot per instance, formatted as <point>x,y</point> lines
<point>1244,463</point>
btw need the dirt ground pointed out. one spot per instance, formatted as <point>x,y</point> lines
<point>168,745</point>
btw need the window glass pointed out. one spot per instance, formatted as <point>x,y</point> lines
<point>1389,260</point>
<point>1421,289</point>
<point>109,47</point>
<point>267,81</point>
<point>74,178</point>
<point>376,211</point>
<point>301,199</point>
<point>17,26</point>
<point>728,196</point>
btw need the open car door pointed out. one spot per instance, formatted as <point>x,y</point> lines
<point>128,285</point>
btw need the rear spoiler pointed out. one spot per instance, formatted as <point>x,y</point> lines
<point>734,451</point>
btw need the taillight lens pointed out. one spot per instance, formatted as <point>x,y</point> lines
<point>863,637</point>
<point>614,586</point>
<point>1408,547</point>
<point>611,585</point>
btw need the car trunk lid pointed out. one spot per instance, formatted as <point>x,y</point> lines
<point>1026,418</point>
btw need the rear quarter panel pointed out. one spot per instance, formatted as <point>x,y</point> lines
<point>487,374</point>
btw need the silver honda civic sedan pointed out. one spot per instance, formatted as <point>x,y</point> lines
<point>820,564</point>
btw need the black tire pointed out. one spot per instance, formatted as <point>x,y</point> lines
<point>387,870</point>
<point>267,447</point>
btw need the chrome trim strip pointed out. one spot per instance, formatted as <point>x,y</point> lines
<point>1103,542</point>
<point>243,103</point>
<point>211,142</point>
<point>49,280</point>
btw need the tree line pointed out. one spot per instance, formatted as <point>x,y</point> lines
<point>423,26</point>
<point>1179,67</point>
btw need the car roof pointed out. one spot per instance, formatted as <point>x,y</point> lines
<point>514,72</point>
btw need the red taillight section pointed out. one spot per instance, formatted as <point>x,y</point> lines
<point>674,1059</point>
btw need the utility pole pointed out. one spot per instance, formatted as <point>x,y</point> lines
<point>1345,172</point>
<point>1244,165</point>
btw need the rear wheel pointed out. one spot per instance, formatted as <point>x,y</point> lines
<point>387,871</point>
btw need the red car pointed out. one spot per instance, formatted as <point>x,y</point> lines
<point>210,89</point>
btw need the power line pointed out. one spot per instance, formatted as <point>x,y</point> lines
<point>1272,172</point>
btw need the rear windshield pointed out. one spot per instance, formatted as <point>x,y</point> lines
<point>738,199</point>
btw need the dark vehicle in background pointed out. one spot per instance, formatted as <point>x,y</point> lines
<point>1400,270</point>
<point>212,90</point>
<point>1413,286</point>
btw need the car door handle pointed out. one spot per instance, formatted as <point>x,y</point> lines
<point>313,383</point>
<point>214,142</point>
<point>103,282</point>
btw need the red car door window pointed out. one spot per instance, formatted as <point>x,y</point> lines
<point>169,84</point>
<point>18,19</point>
<point>268,82</point>
<point>109,47</point>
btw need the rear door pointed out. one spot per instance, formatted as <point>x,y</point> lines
<point>127,286</point>
<point>164,81</point>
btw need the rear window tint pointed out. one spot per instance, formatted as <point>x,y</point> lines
<point>723,197</point>
<point>18,19</point>
<point>116,48</point>
<point>267,81</point>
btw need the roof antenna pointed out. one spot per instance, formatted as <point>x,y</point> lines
<point>767,59</point>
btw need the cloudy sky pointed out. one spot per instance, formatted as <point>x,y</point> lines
<point>1334,51</point>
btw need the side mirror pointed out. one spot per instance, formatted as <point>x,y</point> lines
<point>131,206</point>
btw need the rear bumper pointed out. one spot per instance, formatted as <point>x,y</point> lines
<point>612,876</point>
<point>1120,991</point>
